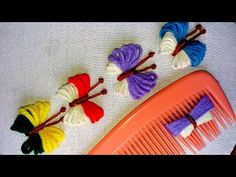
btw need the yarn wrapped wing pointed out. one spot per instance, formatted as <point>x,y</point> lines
<point>51,138</point>
<point>200,113</point>
<point>78,86</point>
<point>191,55</point>
<point>46,140</point>
<point>171,34</point>
<point>82,113</point>
<point>196,51</point>
<point>141,83</point>
<point>93,111</point>
<point>31,116</point>
<point>124,58</point>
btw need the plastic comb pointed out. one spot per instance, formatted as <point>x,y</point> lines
<point>142,131</point>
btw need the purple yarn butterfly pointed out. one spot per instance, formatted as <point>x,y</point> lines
<point>127,58</point>
<point>177,126</point>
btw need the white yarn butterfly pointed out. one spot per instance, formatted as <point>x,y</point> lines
<point>75,92</point>
<point>124,62</point>
<point>175,41</point>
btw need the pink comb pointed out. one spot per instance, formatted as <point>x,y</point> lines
<point>142,131</point>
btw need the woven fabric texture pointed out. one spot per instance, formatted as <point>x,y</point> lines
<point>37,58</point>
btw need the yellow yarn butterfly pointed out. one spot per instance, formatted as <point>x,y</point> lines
<point>42,136</point>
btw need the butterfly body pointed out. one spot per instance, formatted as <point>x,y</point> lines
<point>124,62</point>
<point>185,50</point>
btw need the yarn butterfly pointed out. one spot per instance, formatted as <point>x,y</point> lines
<point>124,62</point>
<point>183,47</point>
<point>42,135</point>
<point>200,114</point>
<point>76,93</point>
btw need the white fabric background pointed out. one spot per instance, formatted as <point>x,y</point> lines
<point>37,58</point>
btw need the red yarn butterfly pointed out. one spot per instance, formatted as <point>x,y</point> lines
<point>76,92</point>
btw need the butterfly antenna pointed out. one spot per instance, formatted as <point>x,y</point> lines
<point>63,109</point>
<point>134,70</point>
<point>55,122</point>
<point>85,98</point>
<point>100,80</point>
<point>150,54</point>
<point>189,37</point>
<point>196,34</point>
<point>102,92</point>
<point>153,66</point>
<point>197,27</point>
<point>41,126</point>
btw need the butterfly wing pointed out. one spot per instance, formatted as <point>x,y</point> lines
<point>181,60</point>
<point>82,113</point>
<point>33,143</point>
<point>78,86</point>
<point>126,57</point>
<point>191,55</point>
<point>51,137</point>
<point>31,116</point>
<point>178,29</point>
<point>141,83</point>
<point>196,51</point>
<point>68,92</point>
<point>113,69</point>
<point>93,111</point>
<point>171,34</point>
<point>46,140</point>
<point>122,88</point>
<point>81,82</point>
<point>180,127</point>
<point>75,116</point>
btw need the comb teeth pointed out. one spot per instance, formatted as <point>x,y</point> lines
<point>153,138</point>
<point>221,111</point>
<point>143,130</point>
<point>157,147</point>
